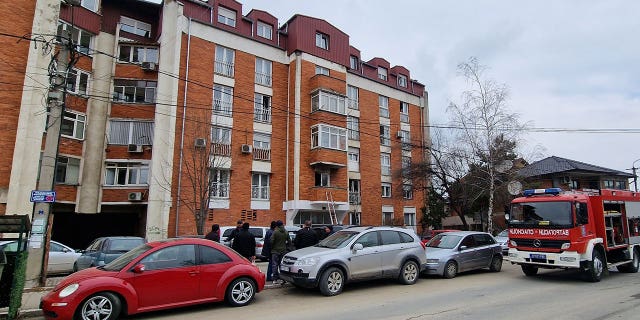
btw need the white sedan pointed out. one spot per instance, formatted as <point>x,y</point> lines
<point>61,257</point>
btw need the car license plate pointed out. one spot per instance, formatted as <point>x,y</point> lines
<point>538,256</point>
<point>284,268</point>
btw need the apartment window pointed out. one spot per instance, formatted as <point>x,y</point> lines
<point>135,26</point>
<point>90,5</point>
<point>354,192</point>
<point>227,16</point>
<point>264,30</point>
<point>260,186</point>
<point>77,82</point>
<point>135,91</point>
<point>322,70</point>
<point>353,127</point>
<point>222,100</point>
<point>407,191</point>
<point>224,61</point>
<point>352,95</point>
<point>324,136</point>
<point>261,141</point>
<point>322,179</point>
<point>322,40</point>
<point>402,81</point>
<point>82,39</point>
<point>405,139</point>
<point>354,218</point>
<point>263,72</point>
<point>125,132</point>
<point>387,216</point>
<point>404,112</point>
<point>406,162</point>
<point>353,62</point>
<point>221,135</point>
<point>386,190</point>
<point>126,173</point>
<point>385,135</point>
<point>262,108</point>
<point>409,219</point>
<point>385,164</point>
<point>219,183</point>
<point>73,125</point>
<point>382,73</point>
<point>384,106</point>
<point>136,54</point>
<point>67,170</point>
<point>353,159</point>
<point>326,101</point>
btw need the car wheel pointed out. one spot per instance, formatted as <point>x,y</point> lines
<point>596,267</point>
<point>409,273</point>
<point>332,282</point>
<point>528,270</point>
<point>100,306</point>
<point>241,292</point>
<point>633,266</point>
<point>450,269</point>
<point>496,263</point>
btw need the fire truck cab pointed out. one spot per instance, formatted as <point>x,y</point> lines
<point>590,230</point>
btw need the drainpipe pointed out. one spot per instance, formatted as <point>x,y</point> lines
<point>184,113</point>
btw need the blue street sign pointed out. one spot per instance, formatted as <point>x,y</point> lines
<point>43,196</point>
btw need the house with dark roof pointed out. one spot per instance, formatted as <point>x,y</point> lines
<point>556,172</point>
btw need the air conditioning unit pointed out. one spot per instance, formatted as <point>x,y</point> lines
<point>246,148</point>
<point>200,143</point>
<point>135,148</point>
<point>149,66</point>
<point>135,196</point>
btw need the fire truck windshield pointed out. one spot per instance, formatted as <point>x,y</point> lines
<point>541,214</point>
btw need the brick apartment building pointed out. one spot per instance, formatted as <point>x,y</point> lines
<point>292,123</point>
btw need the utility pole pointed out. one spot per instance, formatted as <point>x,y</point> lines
<point>635,176</point>
<point>42,218</point>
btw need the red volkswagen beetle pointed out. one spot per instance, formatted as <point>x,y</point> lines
<point>157,275</point>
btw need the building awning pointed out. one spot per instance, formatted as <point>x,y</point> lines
<point>327,164</point>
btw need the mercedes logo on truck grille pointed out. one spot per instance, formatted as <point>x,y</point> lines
<point>537,243</point>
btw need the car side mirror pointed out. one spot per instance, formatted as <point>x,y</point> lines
<point>358,246</point>
<point>138,268</point>
<point>462,248</point>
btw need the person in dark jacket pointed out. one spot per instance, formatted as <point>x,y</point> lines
<point>245,243</point>
<point>326,231</point>
<point>305,237</point>
<point>266,249</point>
<point>214,235</point>
<point>279,240</point>
<point>234,232</point>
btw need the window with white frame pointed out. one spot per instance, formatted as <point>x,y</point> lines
<point>81,38</point>
<point>221,135</point>
<point>227,16</point>
<point>353,159</point>
<point>402,81</point>
<point>322,40</point>
<point>324,136</point>
<point>409,218</point>
<point>125,132</point>
<point>353,127</point>
<point>383,102</point>
<point>406,162</point>
<point>262,108</point>
<point>264,30</point>
<point>219,184</point>
<point>126,173</point>
<point>90,5</point>
<point>77,82</point>
<point>354,192</point>
<point>404,112</point>
<point>261,141</point>
<point>382,73</point>
<point>260,186</point>
<point>67,170</point>
<point>407,191</point>
<point>353,62</point>
<point>73,125</point>
<point>385,135</point>
<point>222,100</point>
<point>322,70</point>
<point>322,179</point>
<point>385,164</point>
<point>405,139</point>
<point>135,26</point>
<point>354,218</point>
<point>387,216</point>
<point>135,91</point>
<point>263,72</point>
<point>352,95</point>
<point>386,190</point>
<point>326,101</point>
<point>136,54</point>
<point>224,61</point>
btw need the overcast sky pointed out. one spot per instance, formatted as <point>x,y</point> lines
<point>568,64</point>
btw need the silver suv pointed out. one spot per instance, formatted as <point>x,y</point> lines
<point>354,254</point>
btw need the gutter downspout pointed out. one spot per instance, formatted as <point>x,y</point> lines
<point>286,181</point>
<point>184,116</point>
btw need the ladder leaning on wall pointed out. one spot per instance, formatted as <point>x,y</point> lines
<point>332,208</point>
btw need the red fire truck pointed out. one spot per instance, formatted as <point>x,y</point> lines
<point>590,230</point>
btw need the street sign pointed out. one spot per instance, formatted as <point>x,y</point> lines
<point>43,196</point>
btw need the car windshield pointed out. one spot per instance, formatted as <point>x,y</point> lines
<point>120,262</point>
<point>503,233</point>
<point>337,240</point>
<point>444,241</point>
<point>123,245</point>
<point>557,213</point>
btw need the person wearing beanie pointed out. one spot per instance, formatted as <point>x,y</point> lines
<point>214,235</point>
<point>245,243</point>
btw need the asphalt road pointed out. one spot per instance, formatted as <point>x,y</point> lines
<point>508,294</point>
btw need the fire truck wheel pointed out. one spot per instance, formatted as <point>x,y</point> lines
<point>596,267</point>
<point>450,269</point>
<point>496,263</point>
<point>633,266</point>
<point>528,270</point>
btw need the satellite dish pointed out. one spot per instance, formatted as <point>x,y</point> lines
<point>503,166</point>
<point>514,187</point>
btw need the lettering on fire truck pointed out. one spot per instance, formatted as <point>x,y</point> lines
<point>539,232</point>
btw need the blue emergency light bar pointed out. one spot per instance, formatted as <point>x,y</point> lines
<point>535,192</point>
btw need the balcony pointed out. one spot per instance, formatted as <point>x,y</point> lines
<point>224,68</point>
<point>263,79</point>
<point>262,115</point>
<point>222,107</point>
<point>261,154</point>
<point>221,149</point>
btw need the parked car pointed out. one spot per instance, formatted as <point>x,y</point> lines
<point>154,276</point>
<point>449,253</point>
<point>258,233</point>
<point>104,250</point>
<point>503,239</point>
<point>432,233</point>
<point>354,254</point>
<point>61,257</point>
